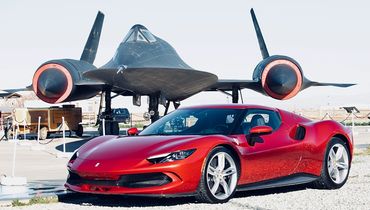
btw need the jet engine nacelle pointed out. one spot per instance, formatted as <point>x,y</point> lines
<point>281,77</point>
<point>56,81</point>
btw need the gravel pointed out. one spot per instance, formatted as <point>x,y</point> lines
<point>355,194</point>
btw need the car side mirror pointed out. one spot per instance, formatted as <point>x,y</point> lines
<point>256,132</point>
<point>132,132</point>
<point>260,130</point>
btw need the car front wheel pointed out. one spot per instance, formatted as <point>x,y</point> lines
<point>219,177</point>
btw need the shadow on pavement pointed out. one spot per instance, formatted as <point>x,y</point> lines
<point>72,146</point>
<point>142,201</point>
<point>271,191</point>
<point>122,201</point>
<point>88,135</point>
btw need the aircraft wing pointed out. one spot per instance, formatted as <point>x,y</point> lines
<point>9,91</point>
<point>9,95</point>
<point>12,92</point>
<point>98,85</point>
<point>229,85</point>
<point>344,85</point>
<point>172,83</point>
<point>309,83</point>
<point>5,94</point>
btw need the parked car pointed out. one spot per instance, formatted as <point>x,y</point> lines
<point>213,151</point>
<point>121,115</point>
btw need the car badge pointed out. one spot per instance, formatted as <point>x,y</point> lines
<point>97,164</point>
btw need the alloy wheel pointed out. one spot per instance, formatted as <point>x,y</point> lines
<point>221,175</point>
<point>338,163</point>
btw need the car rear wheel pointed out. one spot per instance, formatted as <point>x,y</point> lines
<point>336,165</point>
<point>219,177</point>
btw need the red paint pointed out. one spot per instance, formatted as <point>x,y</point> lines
<point>279,155</point>
<point>132,132</point>
<point>261,129</point>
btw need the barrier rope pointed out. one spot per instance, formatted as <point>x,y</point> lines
<point>347,117</point>
<point>327,115</point>
<point>43,143</point>
<point>361,117</point>
<point>48,142</point>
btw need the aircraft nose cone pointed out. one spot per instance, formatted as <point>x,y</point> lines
<point>52,83</point>
<point>281,79</point>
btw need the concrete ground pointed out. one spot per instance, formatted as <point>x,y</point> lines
<point>37,161</point>
<point>41,161</point>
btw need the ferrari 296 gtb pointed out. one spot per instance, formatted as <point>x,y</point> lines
<point>212,151</point>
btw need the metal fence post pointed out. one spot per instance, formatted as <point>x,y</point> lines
<point>64,135</point>
<point>130,120</point>
<point>353,121</point>
<point>38,130</point>
<point>103,127</point>
<point>24,130</point>
<point>15,137</point>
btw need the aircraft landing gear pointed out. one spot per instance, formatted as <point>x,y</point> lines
<point>154,101</point>
<point>111,126</point>
<point>153,107</point>
<point>235,95</point>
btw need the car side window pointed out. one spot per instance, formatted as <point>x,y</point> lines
<point>258,117</point>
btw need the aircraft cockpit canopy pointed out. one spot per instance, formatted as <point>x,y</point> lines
<point>139,33</point>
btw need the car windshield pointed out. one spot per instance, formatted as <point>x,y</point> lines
<point>196,121</point>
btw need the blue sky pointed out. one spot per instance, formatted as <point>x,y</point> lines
<point>330,40</point>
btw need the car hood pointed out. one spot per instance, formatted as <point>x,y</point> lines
<point>138,147</point>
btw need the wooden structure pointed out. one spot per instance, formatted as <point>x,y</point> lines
<point>50,120</point>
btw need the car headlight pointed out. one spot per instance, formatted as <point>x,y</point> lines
<point>170,157</point>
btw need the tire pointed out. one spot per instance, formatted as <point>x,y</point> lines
<point>218,184</point>
<point>43,133</point>
<point>334,177</point>
<point>79,131</point>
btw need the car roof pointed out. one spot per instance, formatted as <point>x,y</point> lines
<point>229,106</point>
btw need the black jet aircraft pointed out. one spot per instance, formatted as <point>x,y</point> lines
<point>144,64</point>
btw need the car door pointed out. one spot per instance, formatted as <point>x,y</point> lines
<point>277,156</point>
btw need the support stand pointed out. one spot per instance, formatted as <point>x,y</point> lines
<point>176,105</point>
<point>107,123</point>
<point>153,107</point>
<point>38,147</point>
<point>64,154</point>
<point>235,94</point>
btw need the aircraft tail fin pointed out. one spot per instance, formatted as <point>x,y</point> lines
<point>92,43</point>
<point>261,41</point>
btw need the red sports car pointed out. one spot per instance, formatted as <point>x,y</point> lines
<point>213,151</point>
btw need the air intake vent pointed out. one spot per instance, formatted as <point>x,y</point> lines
<point>300,133</point>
